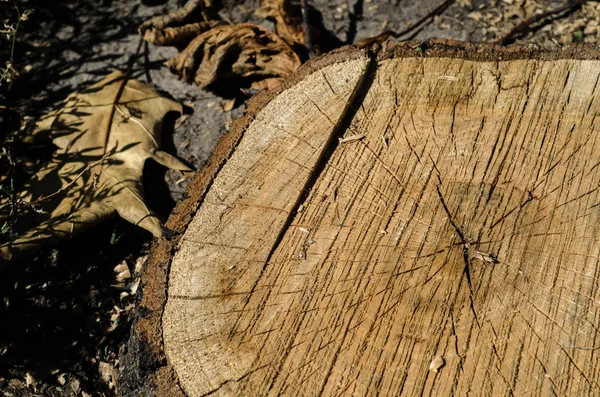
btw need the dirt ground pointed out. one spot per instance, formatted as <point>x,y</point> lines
<point>65,314</point>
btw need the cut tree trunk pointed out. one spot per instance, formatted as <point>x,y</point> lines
<point>405,220</point>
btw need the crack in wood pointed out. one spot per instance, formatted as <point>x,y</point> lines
<point>439,217</point>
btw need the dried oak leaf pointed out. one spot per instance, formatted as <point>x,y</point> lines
<point>241,56</point>
<point>177,36</point>
<point>180,26</point>
<point>90,177</point>
<point>288,24</point>
<point>193,11</point>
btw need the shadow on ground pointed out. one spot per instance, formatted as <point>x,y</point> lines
<point>54,309</point>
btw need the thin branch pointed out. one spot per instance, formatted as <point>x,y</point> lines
<point>13,199</point>
<point>77,177</point>
<point>390,33</point>
<point>14,36</point>
<point>525,25</point>
<point>33,204</point>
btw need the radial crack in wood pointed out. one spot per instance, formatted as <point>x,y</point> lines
<point>380,216</point>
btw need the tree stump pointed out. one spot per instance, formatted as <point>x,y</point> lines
<point>403,220</point>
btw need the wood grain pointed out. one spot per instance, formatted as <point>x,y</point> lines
<point>449,247</point>
<point>242,218</point>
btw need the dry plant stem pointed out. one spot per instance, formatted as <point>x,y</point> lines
<point>525,25</point>
<point>306,28</point>
<point>13,199</point>
<point>9,70</point>
<point>68,185</point>
<point>14,36</point>
<point>118,94</point>
<point>390,33</point>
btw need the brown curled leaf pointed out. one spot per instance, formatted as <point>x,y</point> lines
<point>288,21</point>
<point>193,11</point>
<point>236,56</point>
<point>177,36</point>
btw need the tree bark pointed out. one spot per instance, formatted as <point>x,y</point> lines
<point>405,220</point>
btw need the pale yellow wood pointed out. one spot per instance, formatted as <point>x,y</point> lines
<point>223,252</point>
<point>454,168</point>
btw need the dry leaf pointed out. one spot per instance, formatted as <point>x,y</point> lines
<point>229,58</point>
<point>61,379</point>
<point>243,55</point>
<point>93,175</point>
<point>177,36</point>
<point>193,11</point>
<point>30,381</point>
<point>227,106</point>
<point>288,25</point>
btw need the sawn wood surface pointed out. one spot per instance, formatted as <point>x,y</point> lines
<point>400,226</point>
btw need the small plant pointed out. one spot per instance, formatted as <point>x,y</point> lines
<point>10,203</point>
<point>10,29</point>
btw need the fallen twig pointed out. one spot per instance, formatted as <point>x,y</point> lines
<point>68,185</point>
<point>390,33</point>
<point>525,25</point>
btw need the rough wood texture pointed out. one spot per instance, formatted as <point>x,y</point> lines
<point>400,225</point>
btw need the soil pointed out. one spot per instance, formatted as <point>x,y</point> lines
<point>66,313</point>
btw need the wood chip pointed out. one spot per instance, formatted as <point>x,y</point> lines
<point>185,143</point>
<point>134,287</point>
<point>122,272</point>
<point>139,264</point>
<point>352,138</point>
<point>437,363</point>
<point>61,379</point>
<point>448,78</point>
